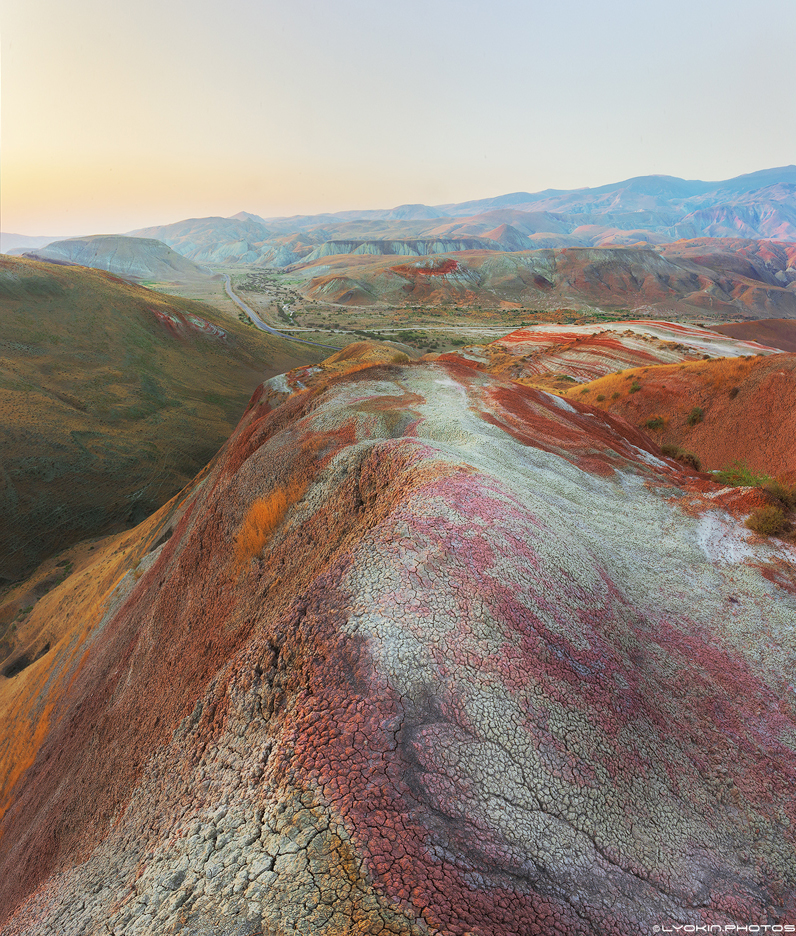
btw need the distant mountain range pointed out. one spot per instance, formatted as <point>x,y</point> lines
<point>646,210</point>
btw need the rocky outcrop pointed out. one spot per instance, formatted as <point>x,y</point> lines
<point>425,651</point>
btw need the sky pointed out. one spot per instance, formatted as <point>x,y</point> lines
<point>124,114</point>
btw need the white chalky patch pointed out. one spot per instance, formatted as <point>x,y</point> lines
<point>560,403</point>
<point>721,540</point>
<point>649,458</point>
<point>279,384</point>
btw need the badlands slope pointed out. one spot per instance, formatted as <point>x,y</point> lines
<point>721,280</point>
<point>724,411</point>
<point>424,651</point>
<point>112,397</point>
<point>656,374</point>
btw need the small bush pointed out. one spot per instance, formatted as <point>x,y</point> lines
<point>734,392</point>
<point>655,423</point>
<point>695,416</point>
<point>600,397</point>
<point>739,474</point>
<point>767,521</point>
<point>784,494</point>
<point>635,387</point>
<point>685,458</point>
<point>688,458</point>
<point>615,396</point>
<point>585,390</point>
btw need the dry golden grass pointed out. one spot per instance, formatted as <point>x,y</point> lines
<point>67,617</point>
<point>262,519</point>
<point>718,374</point>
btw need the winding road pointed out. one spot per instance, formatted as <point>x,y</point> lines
<point>259,323</point>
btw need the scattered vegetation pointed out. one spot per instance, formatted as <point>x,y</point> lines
<point>771,520</point>
<point>695,416</point>
<point>600,397</point>
<point>785,494</point>
<point>768,521</point>
<point>635,387</point>
<point>739,474</point>
<point>655,423</point>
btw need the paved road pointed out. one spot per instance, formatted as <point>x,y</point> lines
<point>259,323</point>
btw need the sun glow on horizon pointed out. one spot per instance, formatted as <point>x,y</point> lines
<point>116,118</point>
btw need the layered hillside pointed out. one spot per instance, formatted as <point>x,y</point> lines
<point>112,397</point>
<point>424,651</point>
<point>418,247</point>
<point>559,356</point>
<point>728,279</point>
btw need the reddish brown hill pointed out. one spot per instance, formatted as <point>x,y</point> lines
<point>727,410</point>
<point>423,652</point>
<point>777,333</point>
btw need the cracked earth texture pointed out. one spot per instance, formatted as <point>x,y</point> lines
<point>502,669</point>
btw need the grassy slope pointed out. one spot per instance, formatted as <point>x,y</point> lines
<point>110,401</point>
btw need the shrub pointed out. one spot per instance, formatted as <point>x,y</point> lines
<point>635,387</point>
<point>767,520</point>
<point>739,474</point>
<point>695,416</point>
<point>685,458</point>
<point>734,392</point>
<point>688,458</point>
<point>655,423</point>
<point>784,494</point>
<point>615,396</point>
<point>600,397</point>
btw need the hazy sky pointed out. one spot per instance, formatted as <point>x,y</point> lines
<point>117,115</point>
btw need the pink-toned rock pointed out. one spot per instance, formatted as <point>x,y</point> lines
<point>484,674</point>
